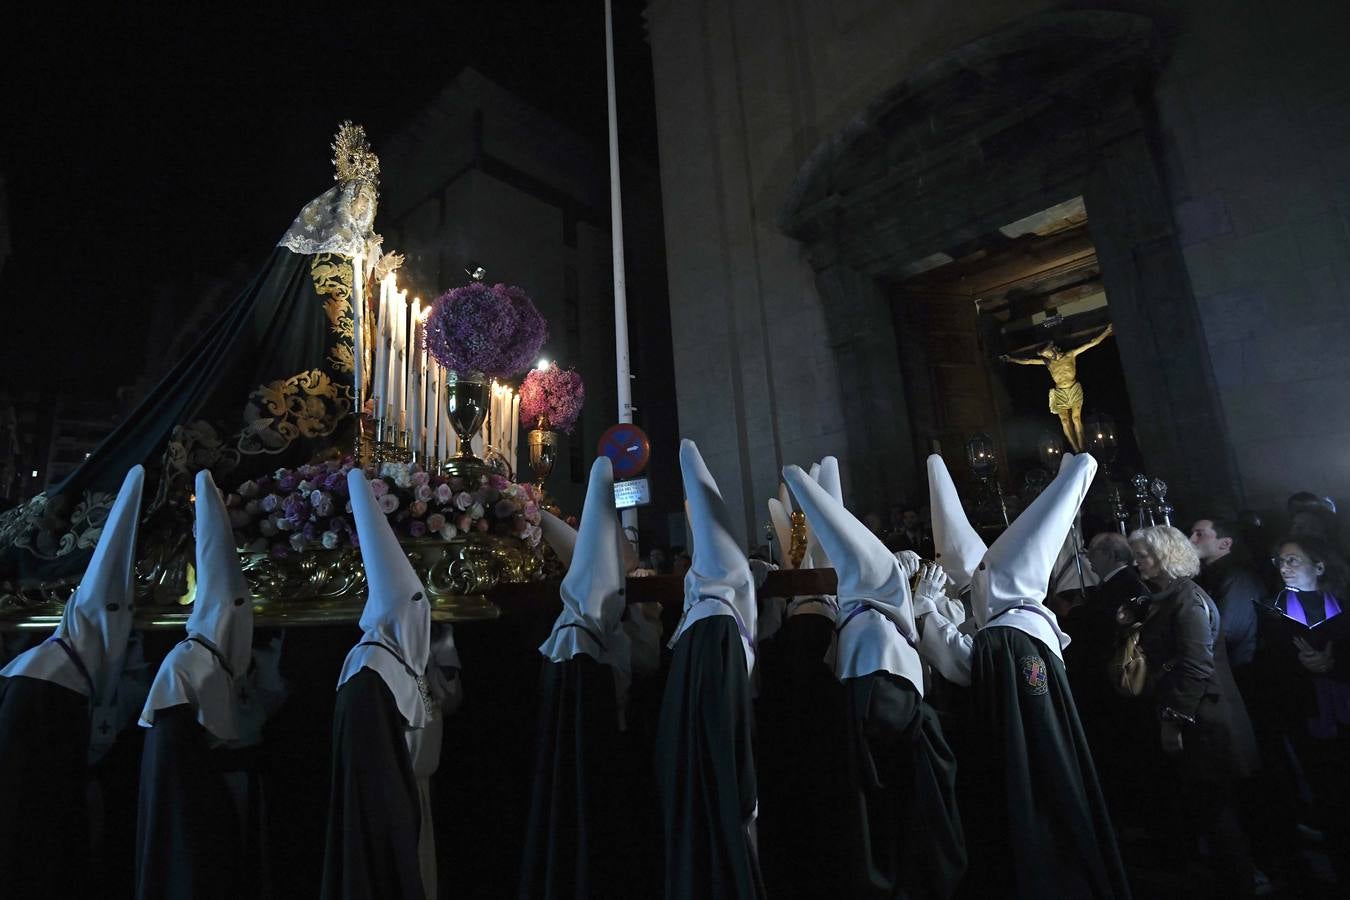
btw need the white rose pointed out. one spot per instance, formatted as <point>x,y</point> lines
<point>449,532</point>
<point>298,541</point>
<point>476,511</point>
<point>330,540</point>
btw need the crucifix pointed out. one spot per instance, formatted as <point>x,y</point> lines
<point>1066,397</point>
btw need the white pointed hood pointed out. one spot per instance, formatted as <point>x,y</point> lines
<point>780,519</point>
<point>826,474</point>
<point>396,622</point>
<point>870,578</point>
<point>958,546</point>
<point>97,619</point>
<point>719,582</point>
<point>1009,585</point>
<point>202,670</point>
<point>559,535</point>
<point>593,590</point>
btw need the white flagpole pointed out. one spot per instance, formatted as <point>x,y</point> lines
<point>624,380</point>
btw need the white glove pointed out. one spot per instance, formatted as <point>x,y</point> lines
<point>444,653</point>
<point>932,582</point>
<point>909,562</point>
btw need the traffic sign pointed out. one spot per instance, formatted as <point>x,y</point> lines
<point>627,447</point>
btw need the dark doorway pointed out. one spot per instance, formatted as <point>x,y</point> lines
<point>1013,291</point>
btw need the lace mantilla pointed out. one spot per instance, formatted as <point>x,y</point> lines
<point>337,221</point>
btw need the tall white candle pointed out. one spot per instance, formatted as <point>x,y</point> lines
<point>358,318</point>
<point>411,384</point>
<point>444,433</point>
<point>382,354</point>
<point>398,370</point>
<point>515,428</point>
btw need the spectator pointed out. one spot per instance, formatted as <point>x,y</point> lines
<point>1119,730</point>
<point>1313,516</point>
<point>1233,586</point>
<point>658,561</point>
<point>1201,723</point>
<point>909,534</point>
<point>1305,664</point>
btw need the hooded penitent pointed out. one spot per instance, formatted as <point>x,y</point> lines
<point>85,653</point>
<point>719,582</point>
<point>876,622</point>
<point>593,590</point>
<point>396,622</point>
<point>1009,584</point>
<point>201,671</point>
<point>959,548</point>
<point>561,537</point>
<point>705,766</point>
<point>49,699</point>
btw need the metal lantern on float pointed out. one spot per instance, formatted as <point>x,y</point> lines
<point>983,458</point>
<point>1050,450</point>
<point>1101,437</point>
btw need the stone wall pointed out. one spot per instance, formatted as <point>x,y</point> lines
<point>1249,113</point>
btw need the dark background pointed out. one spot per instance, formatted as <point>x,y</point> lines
<point>150,145</point>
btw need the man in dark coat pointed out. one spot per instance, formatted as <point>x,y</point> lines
<point>1233,586</point>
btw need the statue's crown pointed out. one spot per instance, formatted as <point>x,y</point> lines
<point>353,160</point>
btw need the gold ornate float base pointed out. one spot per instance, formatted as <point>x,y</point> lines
<point>322,587</point>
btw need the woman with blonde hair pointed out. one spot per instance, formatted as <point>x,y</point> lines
<point>1203,726</point>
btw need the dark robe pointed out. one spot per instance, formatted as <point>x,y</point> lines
<point>578,828</point>
<point>374,815</point>
<point>1038,825</point>
<point>44,740</point>
<point>705,767</point>
<point>907,839</point>
<point>187,830</point>
<point>803,789</point>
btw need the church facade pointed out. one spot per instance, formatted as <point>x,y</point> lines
<point>888,197</point>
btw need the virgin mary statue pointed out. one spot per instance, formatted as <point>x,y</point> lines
<point>268,384</point>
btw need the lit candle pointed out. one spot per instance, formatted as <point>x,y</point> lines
<point>515,427</point>
<point>444,435</point>
<point>382,354</point>
<point>414,383</point>
<point>358,318</point>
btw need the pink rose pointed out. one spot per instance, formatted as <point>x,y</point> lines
<point>422,492</point>
<point>499,482</point>
<point>388,503</point>
<point>444,493</point>
<point>379,487</point>
<point>463,500</point>
<point>481,525</point>
<point>464,523</point>
<point>435,522</point>
<point>421,478</point>
<point>418,508</point>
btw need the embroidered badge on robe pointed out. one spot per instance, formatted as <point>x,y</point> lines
<point>1034,675</point>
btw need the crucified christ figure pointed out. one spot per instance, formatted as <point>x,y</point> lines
<point>1066,397</point>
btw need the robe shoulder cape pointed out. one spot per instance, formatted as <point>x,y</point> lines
<point>705,767</point>
<point>187,830</point>
<point>580,838</point>
<point>906,837</point>
<point>374,814</point>
<point>1042,828</point>
<point>44,741</point>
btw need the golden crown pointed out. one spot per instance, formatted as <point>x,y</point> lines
<point>353,160</point>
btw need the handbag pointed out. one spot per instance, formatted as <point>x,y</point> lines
<point>1129,665</point>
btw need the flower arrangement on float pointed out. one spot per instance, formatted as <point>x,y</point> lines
<point>551,398</point>
<point>307,507</point>
<point>493,330</point>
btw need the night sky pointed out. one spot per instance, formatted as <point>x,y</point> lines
<point>145,146</point>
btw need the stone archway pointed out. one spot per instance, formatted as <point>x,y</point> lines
<point>1052,107</point>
